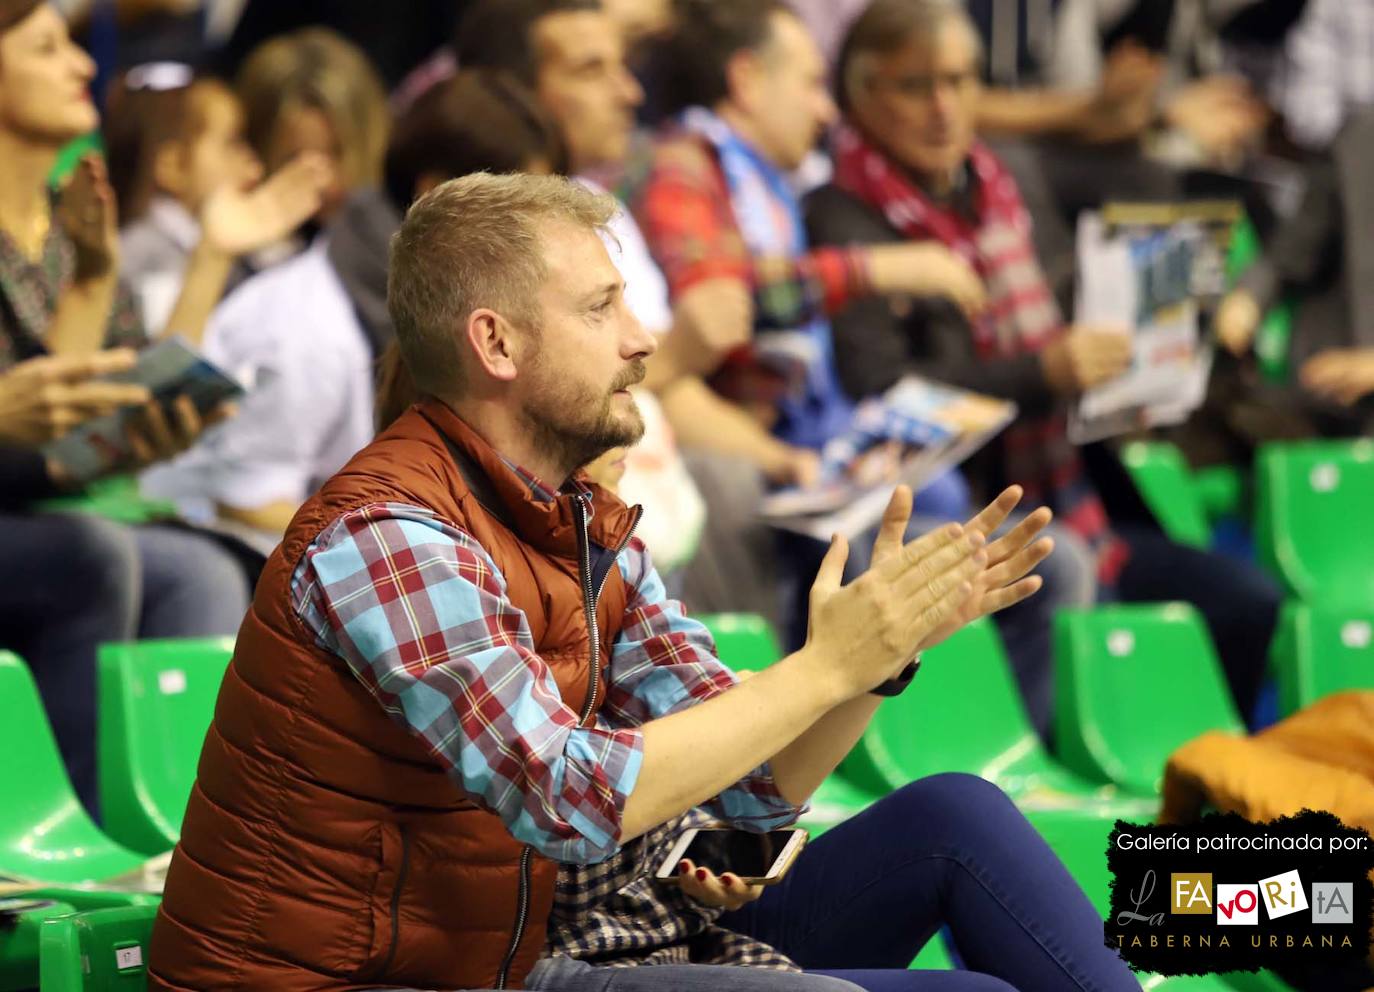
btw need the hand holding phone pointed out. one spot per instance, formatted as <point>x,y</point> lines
<point>703,860</point>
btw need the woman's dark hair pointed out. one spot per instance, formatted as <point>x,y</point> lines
<point>478,121</point>
<point>14,11</point>
<point>499,34</point>
<point>706,35</point>
<point>138,121</point>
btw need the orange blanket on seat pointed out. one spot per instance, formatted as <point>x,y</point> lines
<point>1320,758</point>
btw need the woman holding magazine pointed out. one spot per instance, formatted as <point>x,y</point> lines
<point>74,581</point>
<point>909,168</point>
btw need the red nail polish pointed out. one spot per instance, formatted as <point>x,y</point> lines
<point>701,874</point>
<point>682,867</point>
<point>728,880</point>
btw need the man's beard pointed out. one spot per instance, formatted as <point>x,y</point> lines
<point>561,426</point>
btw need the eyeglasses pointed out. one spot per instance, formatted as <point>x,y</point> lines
<point>159,76</point>
<point>923,87</point>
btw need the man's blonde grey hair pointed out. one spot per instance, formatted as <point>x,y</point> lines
<point>474,243</point>
<point>886,26</point>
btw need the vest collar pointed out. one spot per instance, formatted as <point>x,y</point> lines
<point>548,524</point>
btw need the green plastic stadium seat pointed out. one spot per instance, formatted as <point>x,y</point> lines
<point>1134,682</point>
<point>1319,650</point>
<point>1313,523</point>
<point>835,801</point>
<point>743,640</point>
<point>934,956</point>
<point>156,702</point>
<point>116,498</point>
<point>105,950</point>
<point>45,834</point>
<point>964,713</point>
<point>19,942</point>
<point>1166,484</point>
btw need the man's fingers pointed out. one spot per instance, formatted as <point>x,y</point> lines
<point>995,513</point>
<point>950,567</point>
<point>1000,599</point>
<point>893,528</point>
<point>831,572</point>
<point>917,550</point>
<point>1019,536</point>
<point>949,556</point>
<point>928,619</point>
<point>1019,564</point>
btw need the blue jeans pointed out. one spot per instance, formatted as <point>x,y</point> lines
<point>73,582</point>
<point>947,850</point>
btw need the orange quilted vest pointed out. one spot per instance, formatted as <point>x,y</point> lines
<point>324,847</point>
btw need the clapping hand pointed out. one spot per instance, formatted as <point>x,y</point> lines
<point>237,221</point>
<point>86,211</point>
<point>1005,578</point>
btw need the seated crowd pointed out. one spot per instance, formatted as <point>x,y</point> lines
<point>584,288</point>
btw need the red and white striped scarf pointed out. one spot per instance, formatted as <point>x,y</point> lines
<point>1021,316</point>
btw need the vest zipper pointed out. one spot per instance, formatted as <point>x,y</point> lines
<point>401,874</point>
<point>521,918</point>
<point>589,599</point>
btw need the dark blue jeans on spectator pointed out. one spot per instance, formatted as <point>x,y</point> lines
<point>72,582</point>
<point>947,850</point>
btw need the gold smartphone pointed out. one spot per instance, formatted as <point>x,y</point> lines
<point>755,859</point>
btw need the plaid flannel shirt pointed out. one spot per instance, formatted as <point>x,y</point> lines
<point>419,613</point>
<point>615,914</point>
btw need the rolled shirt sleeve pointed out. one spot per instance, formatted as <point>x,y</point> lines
<point>664,661</point>
<point>419,612</point>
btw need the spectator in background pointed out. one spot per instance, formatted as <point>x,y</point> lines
<point>572,56</point>
<point>720,215</point>
<point>908,167</point>
<point>314,327</point>
<point>1327,70</point>
<point>313,91</point>
<point>177,154</point>
<point>1324,256</point>
<point>60,294</point>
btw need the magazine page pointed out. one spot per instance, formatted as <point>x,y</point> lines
<point>938,426</point>
<point>1156,270</point>
<point>169,369</point>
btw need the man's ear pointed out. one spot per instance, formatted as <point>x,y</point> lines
<point>492,342</point>
<point>741,78</point>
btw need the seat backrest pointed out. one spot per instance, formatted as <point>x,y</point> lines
<point>156,702</point>
<point>1165,482</point>
<point>964,713</point>
<point>743,640</point>
<point>1313,520</point>
<point>1134,682</point>
<point>1319,650</point>
<point>45,833</point>
<point>103,950</point>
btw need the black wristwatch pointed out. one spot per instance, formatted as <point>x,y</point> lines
<point>896,686</point>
